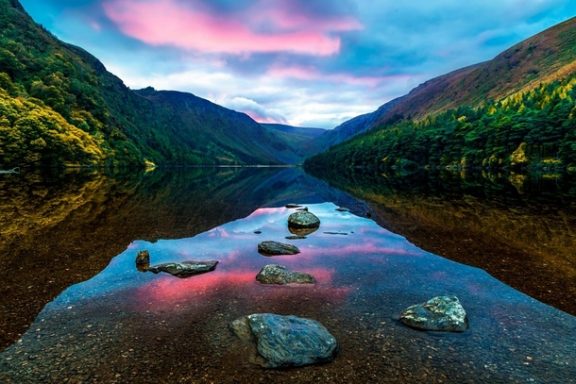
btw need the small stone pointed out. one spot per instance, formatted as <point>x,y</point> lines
<point>143,261</point>
<point>293,206</point>
<point>342,209</point>
<point>279,274</point>
<point>257,232</point>
<point>441,313</point>
<point>287,341</point>
<point>274,248</point>
<point>185,268</point>
<point>295,237</point>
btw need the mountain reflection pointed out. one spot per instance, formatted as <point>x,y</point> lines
<point>123,322</point>
<point>519,228</point>
<point>60,229</point>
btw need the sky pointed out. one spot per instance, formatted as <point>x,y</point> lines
<point>313,63</point>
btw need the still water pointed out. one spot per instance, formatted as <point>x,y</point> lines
<point>75,309</point>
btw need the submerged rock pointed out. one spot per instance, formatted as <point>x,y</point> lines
<point>274,248</point>
<point>295,237</point>
<point>293,206</point>
<point>279,274</point>
<point>143,261</point>
<point>286,341</point>
<point>185,268</point>
<point>441,313</point>
<point>302,232</point>
<point>342,209</point>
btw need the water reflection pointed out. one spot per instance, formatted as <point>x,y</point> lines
<point>127,326</point>
<point>63,228</point>
<point>520,228</point>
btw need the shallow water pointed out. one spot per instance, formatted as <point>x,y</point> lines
<point>123,325</point>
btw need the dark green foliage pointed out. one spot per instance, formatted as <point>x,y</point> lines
<point>63,83</point>
<point>533,128</point>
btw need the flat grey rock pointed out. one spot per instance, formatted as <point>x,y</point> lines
<point>441,313</point>
<point>274,248</point>
<point>185,268</point>
<point>279,274</point>
<point>286,341</point>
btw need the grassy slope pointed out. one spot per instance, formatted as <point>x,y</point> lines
<point>547,56</point>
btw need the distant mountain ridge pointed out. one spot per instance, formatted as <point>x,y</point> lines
<point>545,57</point>
<point>517,110</point>
<point>350,128</point>
<point>60,107</point>
<point>298,141</point>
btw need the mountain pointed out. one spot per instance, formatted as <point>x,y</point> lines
<point>515,110</point>
<point>298,141</point>
<point>350,128</point>
<point>303,132</point>
<point>60,107</point>
<point>207,130</point>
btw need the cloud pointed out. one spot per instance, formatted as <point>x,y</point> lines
<point>255,110</point>
<point>257,29</point>
<point>305,62</point>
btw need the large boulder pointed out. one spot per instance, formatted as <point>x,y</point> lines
<point>286,341</point>
<point>185,268</point>
<point>279,274</point>
<point>303,219</point>
<point>274,248</point>
<point>441,313</point>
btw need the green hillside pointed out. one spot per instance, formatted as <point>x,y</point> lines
<point>522,117</point>
<point>60,107</point>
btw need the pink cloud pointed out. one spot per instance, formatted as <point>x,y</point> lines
<point>264,119</point>
<point>171,23</point>
<point>169,292</point>
<point>267,211</point>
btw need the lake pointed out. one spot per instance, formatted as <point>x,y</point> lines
<point>75,309</point>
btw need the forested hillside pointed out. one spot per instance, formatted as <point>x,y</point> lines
<point>533,128</point>
<point>517,110</point>
<point>60,107</point>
